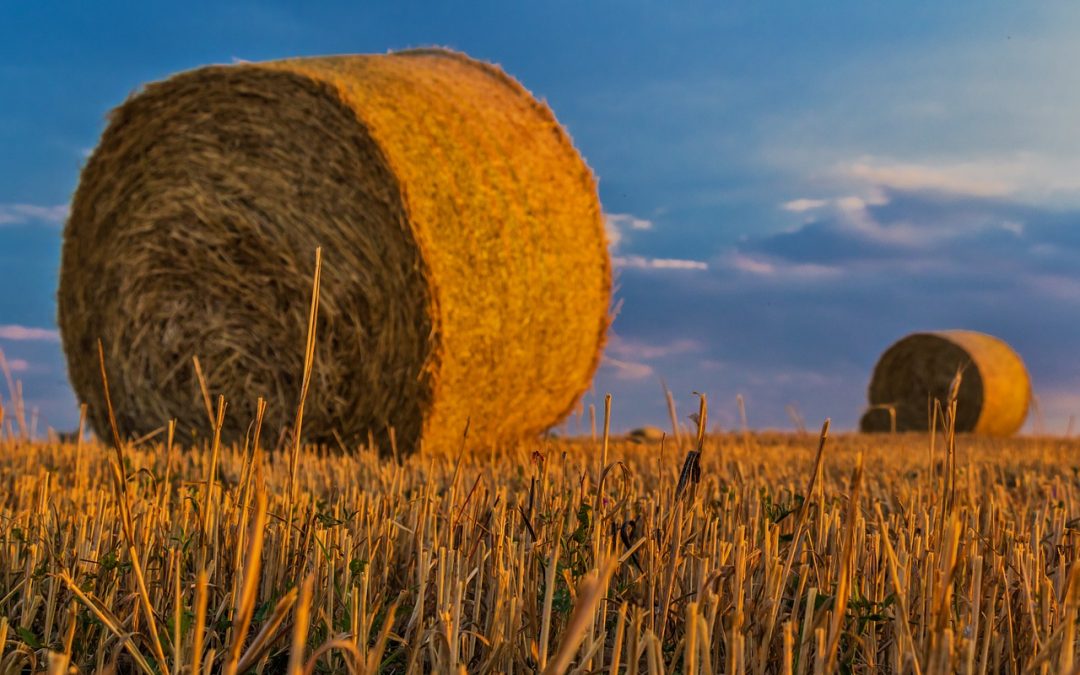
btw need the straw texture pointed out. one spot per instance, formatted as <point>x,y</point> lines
<point>994,392</point>
<point>465,277</point>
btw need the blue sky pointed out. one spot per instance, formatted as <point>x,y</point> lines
<point>790,186</point>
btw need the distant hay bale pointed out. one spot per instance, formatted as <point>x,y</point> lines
<point>994,392</point>
<point>466,273</point>
<point>646,434</point>
<point>879,418</point>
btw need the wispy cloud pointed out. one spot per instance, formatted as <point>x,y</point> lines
<point>1062,287</point>
<point>619,226</point>
<point>638,349</point>
<point>638,262</point>
<point>19,214</point>
<point>628,359</point>
<point>1028,177</point>
<point>977,179</point>
<point>803,204</point>
<point>19,365</point>
<point>628,370</point>
<point>624,221</point>
<point>745,263</point>
<point>887,218</point>
<point>616,225</point>
<point>779,268</point>
<point>16,332</point>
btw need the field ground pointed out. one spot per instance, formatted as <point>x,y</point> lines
<point>912,559</point>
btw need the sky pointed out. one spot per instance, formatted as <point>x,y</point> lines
<point>790,187</point>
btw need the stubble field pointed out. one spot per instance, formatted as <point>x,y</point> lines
<point>891,553</point>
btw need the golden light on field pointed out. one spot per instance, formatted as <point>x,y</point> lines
<point>785,553</point>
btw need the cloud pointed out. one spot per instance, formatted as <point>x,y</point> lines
<point>1014,227</point>
<point>628,370</point>
<point>777,268</point>
<point>745,263</point>
<point>1027,177</point>
<point>1064,288</point>
<point>19,365</point>
<point>804,204</point>
<point>624,221</point>
<point>627,359</point>
<point>978,179</point>
<point>20,214</point>
<point>16,332</point>
<point>638,262</point>
<point>909,227</point>
<point>616,225</point>
<point>639,350</point>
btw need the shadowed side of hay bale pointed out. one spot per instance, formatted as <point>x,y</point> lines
<point>917,370</point>
<point>647,434</point>
<point>465,267</point>
<point>880,418</point>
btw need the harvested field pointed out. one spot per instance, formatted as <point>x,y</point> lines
<point>904,555</point>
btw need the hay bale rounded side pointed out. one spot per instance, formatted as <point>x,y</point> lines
<point>994,395</point>
<point>465,277</point>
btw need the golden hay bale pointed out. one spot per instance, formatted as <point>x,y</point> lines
<point>466,271</point>
<point>994,391</point>
<point>646,434</point>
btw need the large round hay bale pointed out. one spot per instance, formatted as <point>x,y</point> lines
<point>994,391</point>
<point>466,275</point>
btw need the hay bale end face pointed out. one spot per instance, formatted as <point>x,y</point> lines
<point>994,395</point>
<point>465,275</point>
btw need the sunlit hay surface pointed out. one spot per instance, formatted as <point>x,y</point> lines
<point>517,562</point>
<point>466,275</point>
<point>995,390</point>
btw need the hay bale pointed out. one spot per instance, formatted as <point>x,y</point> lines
<point>994,392</point>
<point>646,434</point>
<point>466,272</point>
<point>879,418</point>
